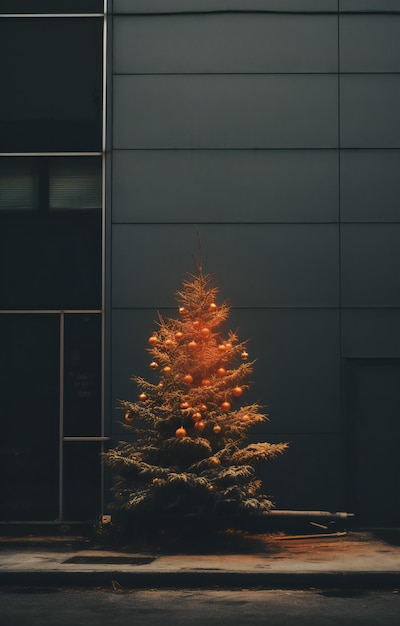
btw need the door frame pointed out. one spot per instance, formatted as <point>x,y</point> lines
<point>102,439</point>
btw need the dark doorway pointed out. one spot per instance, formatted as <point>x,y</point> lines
<point>29,405</point>
<point>372,399</point>
<point>50,406</point>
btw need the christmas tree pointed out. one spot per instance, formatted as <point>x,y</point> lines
<point>189,456</point>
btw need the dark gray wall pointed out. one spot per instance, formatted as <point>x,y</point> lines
<point>277,134</point>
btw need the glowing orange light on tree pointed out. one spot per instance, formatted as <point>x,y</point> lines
<point>180,433</point>
<point>129,417</point>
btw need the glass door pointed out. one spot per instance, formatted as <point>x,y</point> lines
<point>50,400</point>
<point>29,401</point>
<point>81,419</point>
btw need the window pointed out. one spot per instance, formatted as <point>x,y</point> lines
<point>50,233</point>
<point>51,155</point>
<point>51,84</point>
<point>51,6</point>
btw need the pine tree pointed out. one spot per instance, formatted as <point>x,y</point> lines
<point>189,457</point>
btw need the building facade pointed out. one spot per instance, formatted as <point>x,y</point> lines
<point>271,127</point>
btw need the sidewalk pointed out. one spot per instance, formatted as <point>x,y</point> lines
<point>345,560</point>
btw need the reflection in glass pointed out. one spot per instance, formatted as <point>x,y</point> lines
<point>18,185</point>
<point>51,259</point>
<point>75,184</point>
<point>82,386</point>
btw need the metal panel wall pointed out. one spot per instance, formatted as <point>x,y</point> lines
<point>224,43</point>
<point>193,186</point>
<point>225,111</point>
<point>371,333</point>
<point>178,6</point>
<point>276,265</point>
<point>369,43</point>
<point>368,5</point>
<point>264,124</point>
<point>370,185</point>
<point>370,132</point>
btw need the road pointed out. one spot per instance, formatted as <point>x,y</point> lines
<point>180,607</point>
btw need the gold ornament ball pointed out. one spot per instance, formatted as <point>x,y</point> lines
<point>200,426</point>
<point>221,372</point>
<point>237,391</point>
<point>205,331</point>
<point>167,369</point>
<point>196,417</point>
<point>244,355</point>
<point>168,343</point>
<point>142,397</point>
<point>222,347</point>
<point>188,379</point>
<point>192,345</point>
<point>214,462</point>
<point>203,407</point>
<point>153,365</point>
<point>153,340</point>
<point>217,429</point>
<point>184,405</point>
<point>206,382</point>
<point>180,433</point>
<point>182,310</point>
<point>228,345</point>
<point>213,307</point>
<point>196,324</point>
<point>178,336</point>
<point>225,406</point>
<point>129,417</point>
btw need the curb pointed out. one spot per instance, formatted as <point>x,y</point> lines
<point>203,580</point>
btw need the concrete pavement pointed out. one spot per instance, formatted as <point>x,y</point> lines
<point>349,560</point>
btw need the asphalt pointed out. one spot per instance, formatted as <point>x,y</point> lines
<point>332,560</point>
